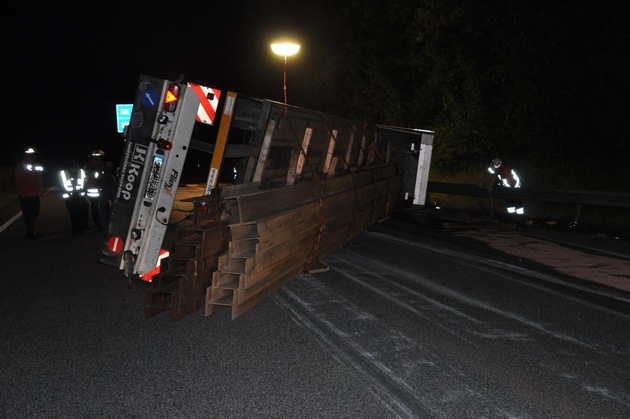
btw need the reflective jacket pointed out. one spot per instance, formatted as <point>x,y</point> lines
<point>506,175</point>
<point>72,183</point>
<point>94,169</point>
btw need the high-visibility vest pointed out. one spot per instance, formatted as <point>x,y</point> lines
<point>94,169</point>
<point>507,176</point>
<point>94,184</point>
<point>72,184</point>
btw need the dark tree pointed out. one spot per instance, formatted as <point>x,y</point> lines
<point>541,83</point>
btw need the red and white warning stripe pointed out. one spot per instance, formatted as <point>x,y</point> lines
<point>209,102</point>
<point>148,277</point>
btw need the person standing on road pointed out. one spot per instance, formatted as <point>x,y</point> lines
<point>73,191</point>
<point>108,193</point>
<point>507,178</point>
<point>30,185</point>
<point>95,169</point>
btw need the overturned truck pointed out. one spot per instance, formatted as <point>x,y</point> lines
<point>285,188</point>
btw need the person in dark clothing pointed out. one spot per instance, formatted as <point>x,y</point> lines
<point>73,190</point>
<point>108,193</point>
<point>30,185</point>
<point>94,170</point>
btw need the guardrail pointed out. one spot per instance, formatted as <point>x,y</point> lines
<point>591,198</point>
<point>618,200</point>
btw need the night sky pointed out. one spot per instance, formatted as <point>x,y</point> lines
<point>501,77</point>
<point>67,66</point>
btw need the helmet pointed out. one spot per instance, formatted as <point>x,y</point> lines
<point>496,163</point>
<point>97,153</point>
<point>30,150</point>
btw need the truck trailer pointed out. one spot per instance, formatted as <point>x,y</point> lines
<point>286,187</point>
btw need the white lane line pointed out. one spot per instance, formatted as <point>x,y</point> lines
<point>18,215</point>
<point>8,223</point>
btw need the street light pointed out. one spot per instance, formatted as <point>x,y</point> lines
<point>285,48</point>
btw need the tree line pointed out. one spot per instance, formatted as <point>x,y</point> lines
<point>541,84</point>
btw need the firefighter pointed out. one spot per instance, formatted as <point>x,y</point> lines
<point>73,191</point>
<point>94,170</point>
<point>30,185</point>
<point>507,178</point>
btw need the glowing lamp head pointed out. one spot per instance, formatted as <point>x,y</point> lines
<point>285,48</point>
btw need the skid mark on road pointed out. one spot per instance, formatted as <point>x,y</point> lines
<point>365,272</point>
<point>408,378</point>
<point>618,396</point>
<point>365,266</point>
<point>478,261</point>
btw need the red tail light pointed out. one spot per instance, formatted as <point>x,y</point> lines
<point>164,144</point>
<point>172,97</point>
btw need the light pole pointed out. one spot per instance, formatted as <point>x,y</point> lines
<point>285,48</point>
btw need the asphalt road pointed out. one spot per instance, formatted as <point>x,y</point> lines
<point>427,317</point>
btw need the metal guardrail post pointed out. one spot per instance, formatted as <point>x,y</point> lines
<point>578,210</point>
